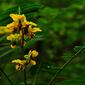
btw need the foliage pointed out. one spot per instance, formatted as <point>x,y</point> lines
<point>63,34</point>
<point>78,81</point>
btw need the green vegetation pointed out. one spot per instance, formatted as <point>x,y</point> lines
<point>61,41</point>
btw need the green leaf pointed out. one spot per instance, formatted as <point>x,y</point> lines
<point>4,48</point>
<point>2,38</point>
<point>6,53</point>
<point>77,48</point>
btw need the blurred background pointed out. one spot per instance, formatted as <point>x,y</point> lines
<point>63,25</point>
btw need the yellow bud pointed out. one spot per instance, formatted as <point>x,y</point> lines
<point>32,62</point>
<point>10,37</point>
<point>13,46</point>
<point>32,23</point>
<point>36,30</point>
<point>15,36</point>
<point>34,53</point>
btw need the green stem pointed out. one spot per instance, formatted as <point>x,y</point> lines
<point>35,78</point>
<point>19,10</point>
<point>22,47</point>
<point>10,75</point>
<point>53,78</point>
<point>6,76</point>
<point>25,77</point>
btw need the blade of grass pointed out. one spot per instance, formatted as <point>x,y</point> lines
<point>4,48</point>
<point>6,53</point>
<point>11,74</point>
<point>4,44</point>
<point>6,76</point>
<point>35,78</point>
<point>2,37</point>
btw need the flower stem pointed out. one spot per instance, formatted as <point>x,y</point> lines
<point>22,47</point>
<point>25,77</point>
<point>6,76</point>
<point>53,78</point>
<point>23,57</point>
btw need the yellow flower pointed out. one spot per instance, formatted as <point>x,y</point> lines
<point>20,64</point>
<point>18,61</point>
<point>30,56</point>
<point>15,36</point>
<point>33,53</point>
<point>21,20</point>
<point>18,17</point>
<point>26,23</point>
<point>3,29</point>
<point>32,31</point>
<point>10,37</point>
<point>9,30</point>
<point>12,27</point>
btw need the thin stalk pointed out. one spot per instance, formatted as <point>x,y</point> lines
<point>19,10</point>
<point>6,76</point>
<point>10,75</point>
<point>25,77</point>
<point>35,78</point>
<point>22,47</point>
<point>53,78</point>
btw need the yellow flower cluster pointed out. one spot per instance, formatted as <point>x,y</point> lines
<point>19,26</point>
<point>16,32</point>
<point>29,59</point>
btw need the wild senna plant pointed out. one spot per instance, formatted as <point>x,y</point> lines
<point>17,33</point>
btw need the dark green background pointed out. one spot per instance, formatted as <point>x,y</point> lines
<point>63,25</point>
